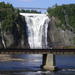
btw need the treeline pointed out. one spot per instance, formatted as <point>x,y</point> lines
<point>29,11</point>
<point>65,14</point>
<point>10,15</point>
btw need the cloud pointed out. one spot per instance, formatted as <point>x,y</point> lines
<point>26,0</point>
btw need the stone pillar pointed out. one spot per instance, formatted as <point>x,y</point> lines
<point>49,62</point>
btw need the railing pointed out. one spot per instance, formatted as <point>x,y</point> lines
<point>26,8</point>
<point>31,8</point>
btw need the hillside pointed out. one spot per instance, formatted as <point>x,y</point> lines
<point>62,25</point>
<point>13,27</point>
<point>65,15</point>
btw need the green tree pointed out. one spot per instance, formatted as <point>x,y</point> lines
<point>58,12</point>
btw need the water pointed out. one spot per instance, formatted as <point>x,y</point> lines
<point>37,29</point>
<point>31,65</point>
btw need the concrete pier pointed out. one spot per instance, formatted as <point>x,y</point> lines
<point>49,62</point>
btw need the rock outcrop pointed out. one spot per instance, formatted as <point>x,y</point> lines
<point>16,37</point>
<point>57,37</point>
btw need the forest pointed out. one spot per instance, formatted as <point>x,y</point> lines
<point>10,15</point>
<point>65,14</point>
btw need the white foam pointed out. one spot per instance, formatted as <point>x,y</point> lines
<point>37,29</point>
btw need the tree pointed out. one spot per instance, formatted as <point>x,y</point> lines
<point>58,12</point>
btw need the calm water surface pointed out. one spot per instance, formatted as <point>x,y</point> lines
<point>31,65</point>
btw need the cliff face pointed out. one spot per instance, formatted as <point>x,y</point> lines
<point>57,37</point>
<point>17,37</point>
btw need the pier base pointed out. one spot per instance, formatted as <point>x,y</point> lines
<point>50,62</point>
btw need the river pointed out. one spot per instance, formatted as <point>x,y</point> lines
<point>31,65</point>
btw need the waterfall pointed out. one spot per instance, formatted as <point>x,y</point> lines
<point>37,29</point>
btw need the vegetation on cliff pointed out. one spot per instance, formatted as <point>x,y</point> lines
<point>9,15</point>
<point>29,11</point>
<point>63,17</point>
<point>13,27</point>
<point>64,14</point>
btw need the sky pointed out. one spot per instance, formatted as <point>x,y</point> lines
<point>38,3</point>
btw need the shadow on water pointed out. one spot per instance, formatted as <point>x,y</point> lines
<point>39,73</point>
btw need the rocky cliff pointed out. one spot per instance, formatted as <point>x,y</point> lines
<point>58,37</point>
<point>17,37</point>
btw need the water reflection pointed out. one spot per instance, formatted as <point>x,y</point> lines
<point>21,62</point>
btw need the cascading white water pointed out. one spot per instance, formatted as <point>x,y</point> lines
<point>37,29</point>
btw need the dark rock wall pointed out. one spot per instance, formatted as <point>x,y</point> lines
<point>17,36</point>
<point>58,37</point>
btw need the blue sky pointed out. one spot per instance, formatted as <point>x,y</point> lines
<point>37,3</point>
